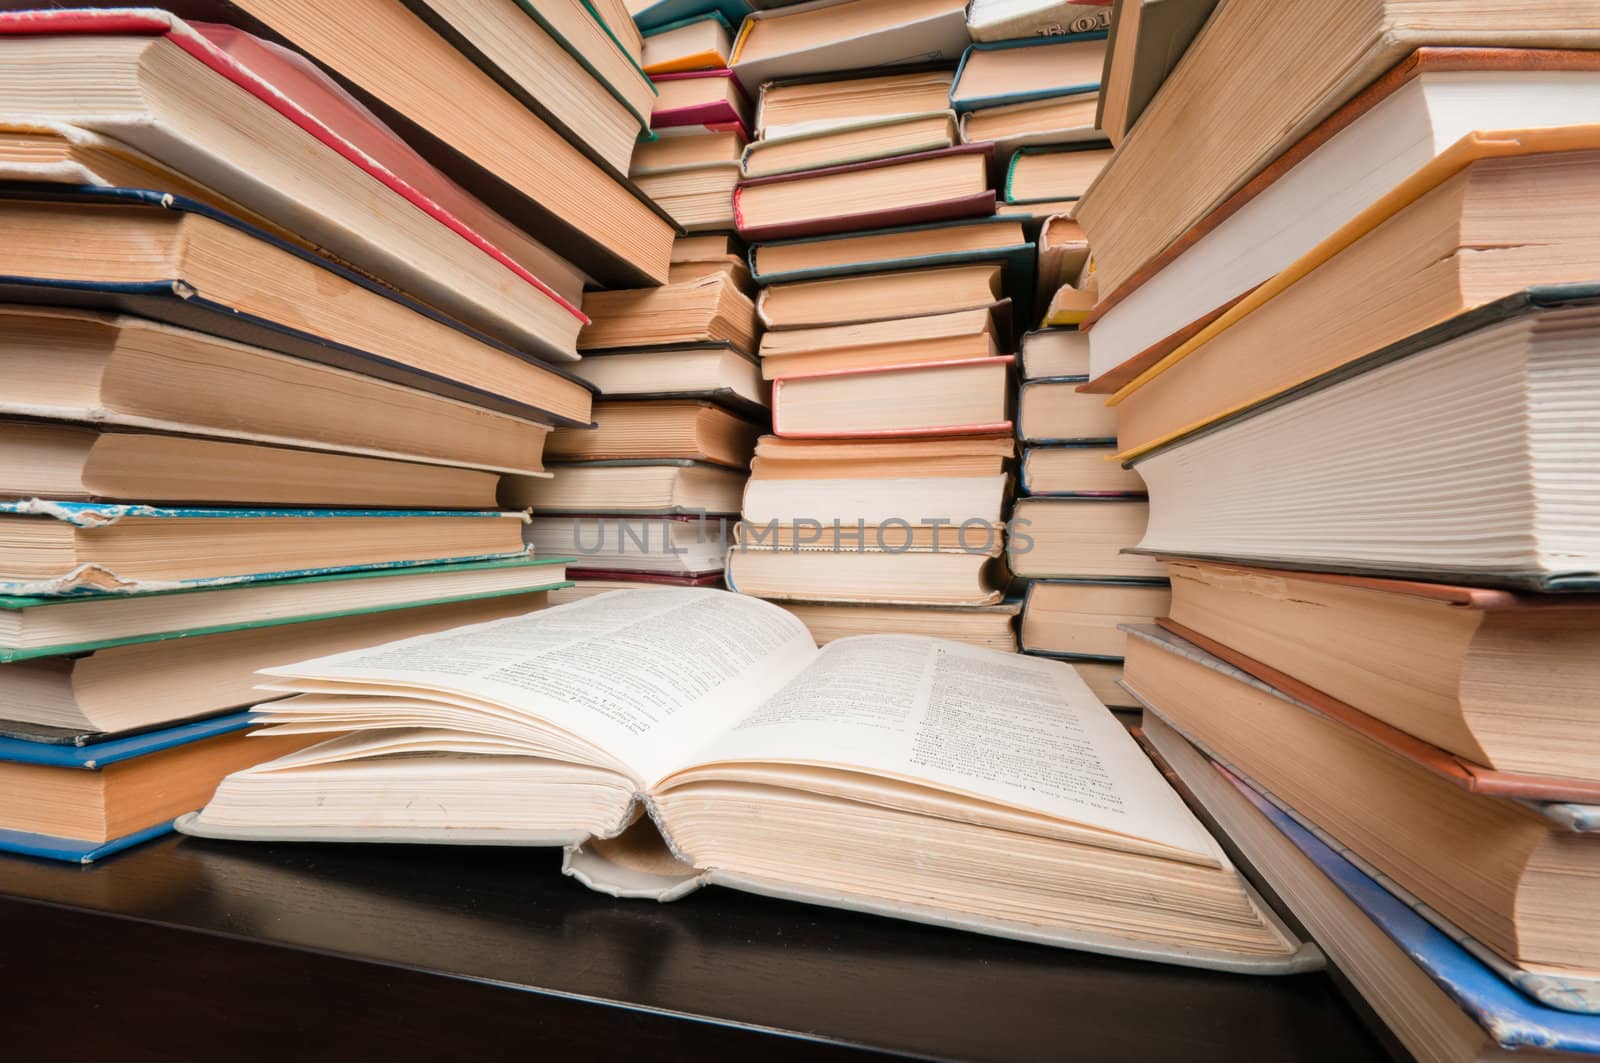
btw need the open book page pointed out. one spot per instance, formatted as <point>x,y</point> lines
<point>645,675</point>
<point>1016,730</point>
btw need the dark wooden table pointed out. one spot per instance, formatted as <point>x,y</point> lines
<point>187,949</point>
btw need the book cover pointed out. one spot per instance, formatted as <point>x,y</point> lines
<point>941,36</point>
<point>93,579</point>
<point>549,577</point>
<point>718,115</point>
<point>1041,18</point>
<point>1042,149</point>
<point>92,756</point>
<point>978,204</point>
<point>175,301</point>
<point>663,12</point>
<point>1000,99</point>
<point>699,61</point>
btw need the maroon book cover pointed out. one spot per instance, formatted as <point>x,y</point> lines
<point>976,204</point>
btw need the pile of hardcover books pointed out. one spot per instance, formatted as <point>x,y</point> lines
<point>890,289</point>
<point>1350,327</point>
<point>274,382</point>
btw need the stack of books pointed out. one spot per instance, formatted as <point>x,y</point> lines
<point>651,494</point>
<point>701,124</point>
<point>1356,368</point>
<point>274,383</point>
<point>889,289</point>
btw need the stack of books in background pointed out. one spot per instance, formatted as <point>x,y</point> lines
<point>273,383</point>
<point>886,284</point>
<point>1352,338</point>
<point>650,495</point>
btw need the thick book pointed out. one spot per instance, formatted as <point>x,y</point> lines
<point>476,122</point>
<point>999,239</point>
<point>80,803</point>
<point>1428,440</point>
<point>85,697</point>
<point>938,337</point>
<point>1055,411</point>
<point>710,719</point>
<point>1417,111</point>
<point>270,132</point>
<point>662,428</point>
<point>948,502</point>
<point>707,310</point>
<point>65,548</point>
<point>1056,352</point>
<point>1081,619</point>
<point>700,98</point>
<point>1075,469</point>
<point>699,42</point>
<point>893,564</point>
<point>886,193</point>
<point>880,296</point>
<point>1477,190</point>
<point>1444,997</point>
<point>716,370</point>
<point>687,546</point>
<point>1080,537</point>
<point>1509,873</point>
<point>837,101</point>
<point>826,35</point>
<point>991,627</point>
<point>1471,682</point>
<point>1263,104</point>
<point>1007,20</point>
<point>1023,71</point>
<point>1148,37</point>
<point>179,261</point>
<point>1053,172</point>
<point>699,197</point>
<point>879,138</point>
<point>40,459</point>
<point>641,486</point>
<point>1033,123</point>
<point>963,397</point>
<point>810,459</point>
<point>35,627</point>
<point>111,371</point>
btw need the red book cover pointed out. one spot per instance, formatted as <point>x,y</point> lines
<point>713,112</point>
<point>977,204</point>
<point>299,91</point>
<point>998,427</point>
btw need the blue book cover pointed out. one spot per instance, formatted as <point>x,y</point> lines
<point>101,515</point>
<point>1001,99</point>
<point>72,850</point>
<point>1511,1019</point>
<point>666,11</point>
<point>92,756</point>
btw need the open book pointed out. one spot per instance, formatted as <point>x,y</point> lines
<point>893,774</point>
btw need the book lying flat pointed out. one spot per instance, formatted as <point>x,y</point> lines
<point>269,131</point>
<point>709,309</point>
<point>79,463</point>
<point>1054,411</point>
<point>1442,434</point>
<point>644,486</point>
<point>1054,353</point>
<point>990,627</point>
<point>1075,469</point>
<point>891,564</point>
<point>1080,619</point>
<point>80,803</point>
<point>1022,71</point>
<point>1441,995</point>
<point>1081,537</point>
<point>719,372</point>
<point>827,35</point>
<point>926,187</point>
<point>86,697</point>
<point>58,548</point>
<point>178,261</point>
<point>934,337</point>
<point>1512,874</point>
<point>33,627</point>
<point>1481,673</point>
<point>838,101</point>
<point>966,397</point>
<point>810,459</point>
<point>1007,20</point>
<point>881,296</point>
<point>951,500</point>
<point>1053,120</point>
<point>112,370</point>
<point>700,97</point>
<point>694,431</point>
<point>710,718</point>
<point>698,42</point>
<point>863,142</point>
<point>685,546</point>
<point>1053,172</point>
